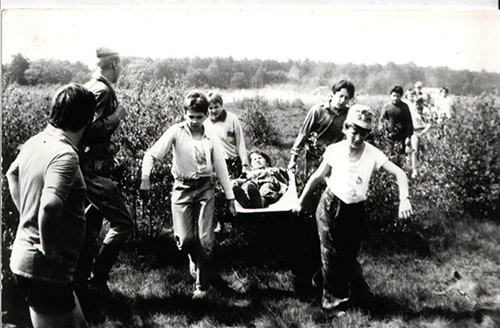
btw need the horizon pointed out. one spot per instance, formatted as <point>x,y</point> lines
<point>92,66</point>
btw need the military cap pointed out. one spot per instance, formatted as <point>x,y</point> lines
<point>103,52</point>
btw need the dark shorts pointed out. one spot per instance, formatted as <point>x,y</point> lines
<point>46,297</point>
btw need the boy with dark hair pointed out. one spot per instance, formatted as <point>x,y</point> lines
<point>196,156</point>
<point>396,118</point>
<point>322,126</point>
<point>348,166</point>
<point>48,189</point>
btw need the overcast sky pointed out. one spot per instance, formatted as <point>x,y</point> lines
<point>459,39</point>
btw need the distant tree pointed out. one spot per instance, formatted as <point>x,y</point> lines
<point>49,71</point>
<point>259,79</point>
<point>214,76</point>
<point>239,81</point>
<point>81,72</point>
<point>196,77</point>
<point>17,68</point>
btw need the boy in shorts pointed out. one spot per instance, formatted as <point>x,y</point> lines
<point>48,189</point>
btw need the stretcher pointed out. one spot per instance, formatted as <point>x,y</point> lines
<point>286,203</point>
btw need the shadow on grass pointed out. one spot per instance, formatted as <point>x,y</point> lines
<point>231,309</point>
<point>386,308</point>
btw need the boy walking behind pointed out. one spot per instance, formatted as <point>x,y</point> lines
<point>396,117</point>
<point>227,127</point>
<point>340,214</point>
<point>322,126</point>
<point>196,156</point>
<point>47,187</point>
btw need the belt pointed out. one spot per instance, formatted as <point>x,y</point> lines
<point>194,180</point>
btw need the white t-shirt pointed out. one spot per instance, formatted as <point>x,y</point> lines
<point>444,107</point>
<point>349,180</point>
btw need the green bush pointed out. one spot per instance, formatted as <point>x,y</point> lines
<point>460,162</point>
<point>152,107</point>
<point>259,125</point>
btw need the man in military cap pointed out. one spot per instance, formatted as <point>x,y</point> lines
<point>104,198</point>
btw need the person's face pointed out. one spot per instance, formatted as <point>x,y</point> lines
<point>395,98</point>
<point>356,136</point>
<point>340,99</point>
<point>195,119</point>
<point>214,110</point>
<point>257,161</point>
<point>411,97</point>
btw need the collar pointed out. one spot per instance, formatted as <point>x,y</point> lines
<point>205,134</point>
<point>221,118</point>
<point>60,134</point>
<point>98,76</point>
<point>333,110</point>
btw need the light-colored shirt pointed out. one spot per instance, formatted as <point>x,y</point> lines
<point>231,137</point>
<point>48,162</point>
<point>184,163</point>
<point>348,180</point>
<point>418,121</point>
<point>444,107</point>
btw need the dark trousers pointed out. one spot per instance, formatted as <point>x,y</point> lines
<point>105,202</point>
<point>341,228</point>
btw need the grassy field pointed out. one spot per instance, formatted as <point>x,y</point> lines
<point>265,263</point>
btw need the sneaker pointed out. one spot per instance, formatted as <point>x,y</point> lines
<point>333,303</point>
<point>241,197</point>
<point>254,196</point>
<point>199,294</point>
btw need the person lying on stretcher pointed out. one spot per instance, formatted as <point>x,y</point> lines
<point>263,185</point>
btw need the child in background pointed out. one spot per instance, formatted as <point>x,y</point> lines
<point>340,216</point>
<point>227,127</point>
<point>263,185</point>
<point>420,127</point>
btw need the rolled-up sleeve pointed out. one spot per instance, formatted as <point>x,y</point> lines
<point>157,152</point>
<point>304,132</point>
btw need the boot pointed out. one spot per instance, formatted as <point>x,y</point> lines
<point>104,261</point>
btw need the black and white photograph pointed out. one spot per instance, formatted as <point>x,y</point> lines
<point>250,164</point>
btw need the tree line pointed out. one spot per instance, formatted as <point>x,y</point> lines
<point>229,73</point>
